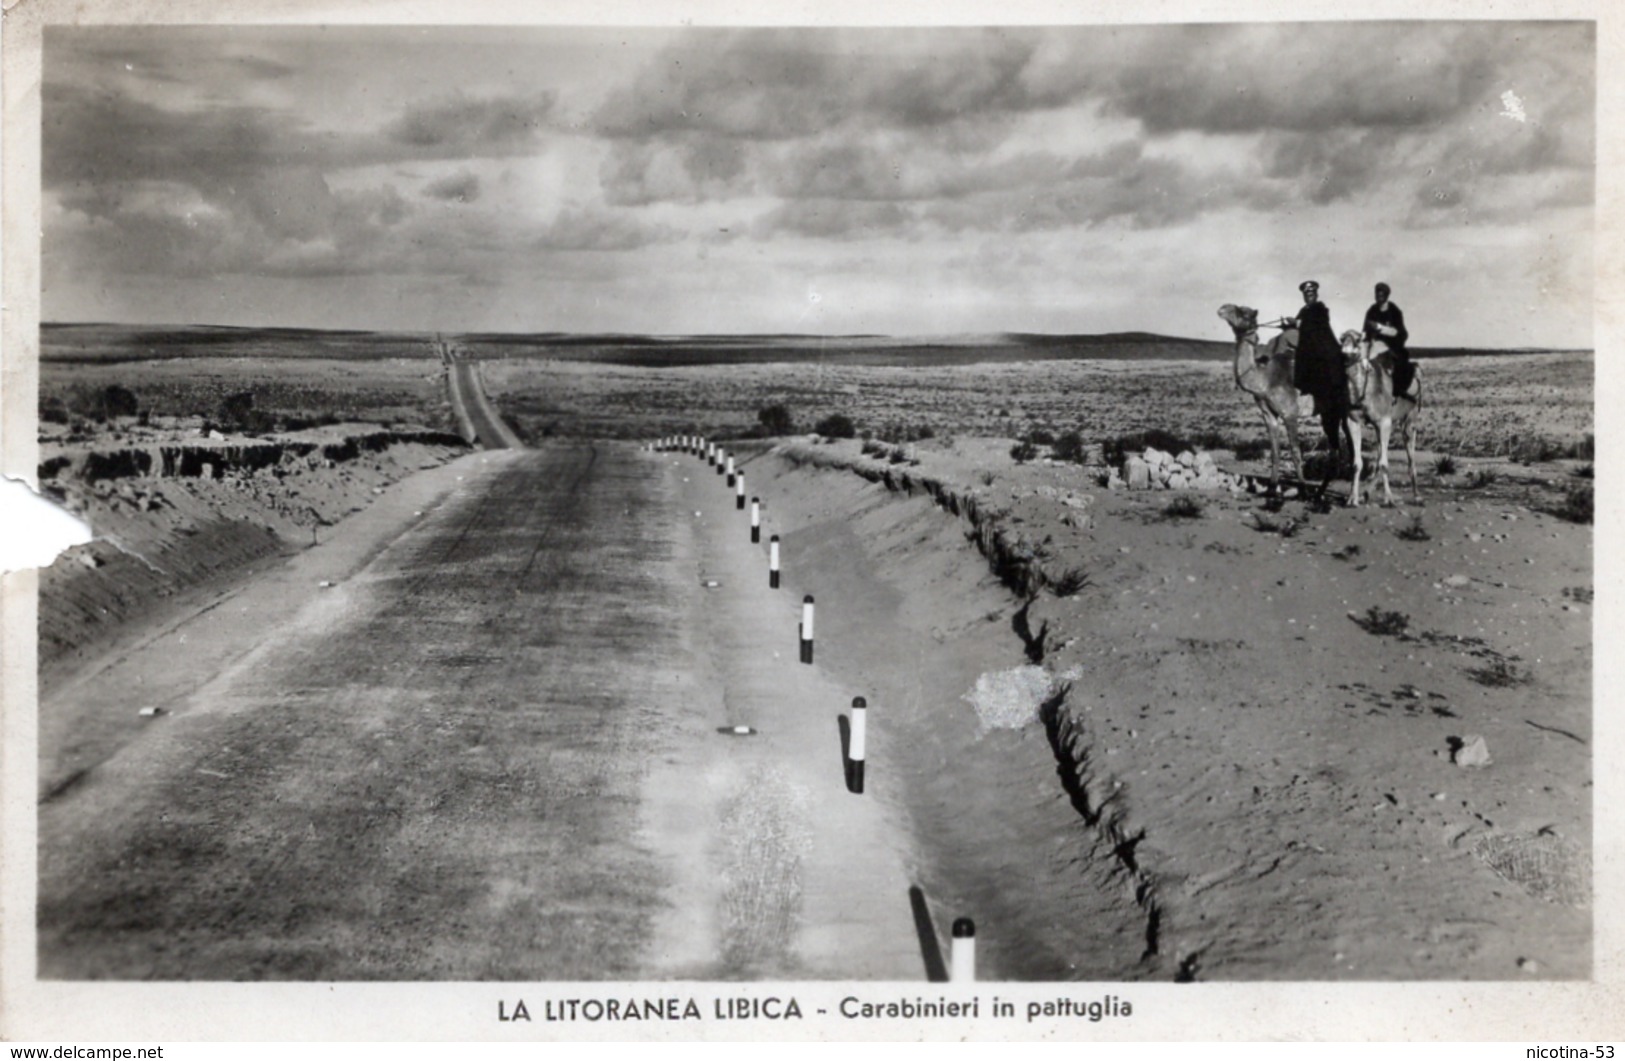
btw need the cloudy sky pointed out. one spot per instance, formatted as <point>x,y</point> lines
<point>1074,179</point>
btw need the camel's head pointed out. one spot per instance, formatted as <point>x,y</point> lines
<point>1353,343</point>
<point>1242,319</point>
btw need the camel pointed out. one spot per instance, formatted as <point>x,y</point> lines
<point>1370,373</point>
<point>1267,375</point>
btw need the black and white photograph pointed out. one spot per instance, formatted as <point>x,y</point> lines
<point>699,523</point>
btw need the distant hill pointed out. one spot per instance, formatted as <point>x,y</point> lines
<point>91,342</point>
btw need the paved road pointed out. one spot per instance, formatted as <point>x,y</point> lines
<point>468,396</point>
<point>434,773</point>
<point>493,753</point>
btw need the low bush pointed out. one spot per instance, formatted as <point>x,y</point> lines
<point>836,426</point>
<point>776,419</point>
<point>1539,450</point>
<point>1068,447</point>
<point>1414,531</point>
<point>1074,580</point>
<point>1382,623</point>
<point>1023,451</point>
<point>1578,505</point>
<point>1184,506</point>
<point>1445,465</point>
<point>1500,672</point>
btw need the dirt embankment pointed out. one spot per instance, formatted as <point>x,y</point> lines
<point>174,515</point>
<point>1317,742</point>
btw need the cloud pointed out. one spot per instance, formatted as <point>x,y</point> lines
<point>781,84</point>
<point>104,136</point>
<point>688,168</point>
<point>598,230</point>
<point>834,219</point>
<point>461,187</point>
<point>1305,77</point>
<point>469,125</point>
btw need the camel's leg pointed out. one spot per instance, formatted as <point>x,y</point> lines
<point>1356,436</point>
<point>1291,425</point>
<point>1384,426</point>
<point>1410,456</point>
<point>1334,430</point>
<point>1269,429</point>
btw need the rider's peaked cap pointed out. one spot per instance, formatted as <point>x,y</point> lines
<point>1309,285</point>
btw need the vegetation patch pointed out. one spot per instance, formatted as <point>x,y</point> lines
<point>1382,623</point>
<point>1183,507</point>
<point>1414,531</point>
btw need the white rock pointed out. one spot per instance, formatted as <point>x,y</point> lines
<point>1474,752</point>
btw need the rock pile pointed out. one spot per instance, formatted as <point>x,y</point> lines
<point>1158,470</point>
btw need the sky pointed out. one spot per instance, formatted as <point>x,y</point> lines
<point>913,181</point>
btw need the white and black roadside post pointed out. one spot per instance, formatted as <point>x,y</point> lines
<point>722,457</point>
<point>856,743</point>
<point>739,494</point>
<point>773,562</point>
<point>755,520</point>
<point>730,471</point>
<point>963,961</point>
<point>807,629</point>
<point>711,454</point>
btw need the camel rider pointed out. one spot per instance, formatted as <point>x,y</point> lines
<point>1318,366</point>
<point>1385,322</point>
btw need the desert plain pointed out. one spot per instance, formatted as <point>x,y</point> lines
<point>1200,734</point>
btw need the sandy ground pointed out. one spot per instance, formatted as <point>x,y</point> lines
<point>1285,776</point>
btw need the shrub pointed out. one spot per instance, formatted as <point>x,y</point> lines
<point>1023,451</point>
<point>1445,465</point>
<point>1069,447</point>
<point>1578,505</point>
<point>52,411</point>
<point>1382,623</point>
<point>776,420</point>
<point>1500,672</point>
<point>1539,451</point>
<point>873,447</point>
<point>118,401</point>
<point>1414,531</point>
<point>1070,583</point>
<point>1039,436</point>
<point>237,413</point>
<point>1585,471</point>
<point>1183,507</point>
<point>836,426</point>
<point>1479,478</point>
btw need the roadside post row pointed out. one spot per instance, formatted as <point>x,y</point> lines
<point>962,960</point>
